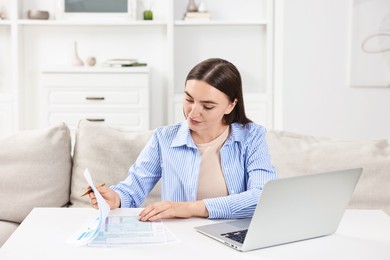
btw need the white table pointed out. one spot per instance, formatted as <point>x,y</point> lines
<point>362,234</point>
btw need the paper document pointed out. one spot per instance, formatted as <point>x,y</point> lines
<point>125,230</point>
<point>91,229</point>
<point>114,230</point>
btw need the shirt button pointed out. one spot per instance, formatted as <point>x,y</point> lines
<point>232,191</point>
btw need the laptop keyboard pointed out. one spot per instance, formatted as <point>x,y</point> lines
<point>238,236</point>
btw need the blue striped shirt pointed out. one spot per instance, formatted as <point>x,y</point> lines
<point>172,155</point>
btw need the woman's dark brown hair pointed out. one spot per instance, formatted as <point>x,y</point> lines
<point>225,77</point>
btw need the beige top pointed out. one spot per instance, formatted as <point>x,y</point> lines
<point>211,179</point>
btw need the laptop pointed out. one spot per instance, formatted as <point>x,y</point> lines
<point>290,210</point>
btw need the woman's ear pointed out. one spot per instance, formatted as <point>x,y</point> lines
<point>231,107</point>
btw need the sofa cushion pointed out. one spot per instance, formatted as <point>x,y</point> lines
<point>35,171</point>
<point>108,153</point>
<point>7,228</point>
<point>294,154</point>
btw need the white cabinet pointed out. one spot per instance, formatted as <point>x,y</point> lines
<point>115,96</point>
<point>239,31</point>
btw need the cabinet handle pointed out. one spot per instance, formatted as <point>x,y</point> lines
<point>94,98</point>
<point>96,119</point>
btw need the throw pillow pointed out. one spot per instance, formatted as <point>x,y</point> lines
<point>294,154</point>
<point>108,153</point>
<point>35,171</point>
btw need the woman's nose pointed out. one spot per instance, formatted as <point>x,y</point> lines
<point>195,110</point>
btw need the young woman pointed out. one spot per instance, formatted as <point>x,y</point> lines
<point>214,164</point>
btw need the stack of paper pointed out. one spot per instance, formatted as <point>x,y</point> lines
<point>105,230</point>
<point>125,230</point>
<point>200,16</point>
<point>123,63</point>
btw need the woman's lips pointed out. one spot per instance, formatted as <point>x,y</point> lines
<point>194,122</point>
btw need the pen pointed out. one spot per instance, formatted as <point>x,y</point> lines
<point>89,190</point>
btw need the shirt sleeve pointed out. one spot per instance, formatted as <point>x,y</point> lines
<point>142,176</point>
<point>258,170</point>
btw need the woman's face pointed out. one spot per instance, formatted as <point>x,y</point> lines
<point>204,107</point>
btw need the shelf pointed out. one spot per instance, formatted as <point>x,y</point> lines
<point>87,22</point>
<point>218,23</point>
<point>132,23</point>
<point>97,69</point>
<point>5,22</point>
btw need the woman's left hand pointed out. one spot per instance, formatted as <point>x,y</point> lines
<point>169,209</point>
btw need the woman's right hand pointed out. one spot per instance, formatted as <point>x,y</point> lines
<point>112,198</point>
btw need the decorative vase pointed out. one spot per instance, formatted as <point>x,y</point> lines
<point>148,15</point>
<point>192,7</point>
<point>76,59</point>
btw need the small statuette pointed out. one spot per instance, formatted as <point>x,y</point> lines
<point>192,7</point>
<point>91,61</point>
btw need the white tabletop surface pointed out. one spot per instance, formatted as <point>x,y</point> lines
<point>362,234</point>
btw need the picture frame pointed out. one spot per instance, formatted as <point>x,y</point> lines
<point>370,43</point>
<point>97,9</point>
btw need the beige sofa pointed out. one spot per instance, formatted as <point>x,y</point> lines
<point>39,169</point>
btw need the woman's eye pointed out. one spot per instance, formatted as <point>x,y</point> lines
<point>208,108</point>
<point>189,100</point>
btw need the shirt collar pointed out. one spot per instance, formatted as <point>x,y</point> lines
<point>183,136</point>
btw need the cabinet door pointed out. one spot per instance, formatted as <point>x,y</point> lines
<point>116,99</point>
<point>132,120</point>
<point>99,98</point>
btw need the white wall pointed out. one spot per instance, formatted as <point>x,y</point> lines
<point>316,98</point>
